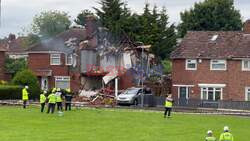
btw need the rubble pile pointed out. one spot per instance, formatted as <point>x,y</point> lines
<point>103,96</point>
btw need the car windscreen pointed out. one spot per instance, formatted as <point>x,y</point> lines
<point>131,91</point>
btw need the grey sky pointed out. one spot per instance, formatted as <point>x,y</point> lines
<point>17,14</point>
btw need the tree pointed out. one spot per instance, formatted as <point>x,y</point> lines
<point>154,29</point>
<point>26,77</point>
<point>113,15</point>
<point>210,15</point>
<point>50,23</point>
<point>81,18</point>
<point>13,66</point>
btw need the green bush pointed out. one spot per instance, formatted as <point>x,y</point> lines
<point>167,66</point>
<point>26,77</point>
<point>10,92</point>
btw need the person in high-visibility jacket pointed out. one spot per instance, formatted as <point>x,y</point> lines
<point>43,100</point>
<point>210,136</point>
<point>52,102</point>
<point>168,106</point>
<point>25,96</point>
<point>59,99</point>
<point>226,135</point>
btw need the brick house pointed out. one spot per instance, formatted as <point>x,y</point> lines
<point>213,65</point>
<point>54,61</point>
<point>2,61</point>
<point>84,59</point>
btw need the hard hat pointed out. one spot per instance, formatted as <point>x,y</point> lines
<point>226,128</point>
<point>58,89</point>
<point>209,132</point>
<point>26,87</point>
<point>45,92</point>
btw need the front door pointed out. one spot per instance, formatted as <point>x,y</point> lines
<point>44,83</point>
<point>183,96</point>
<point>183,93</point>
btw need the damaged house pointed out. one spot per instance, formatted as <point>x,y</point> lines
<point>83,59</point>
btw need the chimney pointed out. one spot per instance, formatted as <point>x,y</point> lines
<point>12,37</point>
<point>90,26</point>
<point>246,28</point>
<point>91,30</point>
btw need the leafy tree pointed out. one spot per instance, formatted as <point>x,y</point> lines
<point>50,23</point>
<point>113,15</point>
<point>81,18</point>
<point>154,29</point>
<point>15,65</point>
<point>167,66</point>
<point>211,15</point>
<point>26,77</point>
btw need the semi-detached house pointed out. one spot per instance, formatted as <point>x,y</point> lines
<point>213,65</point>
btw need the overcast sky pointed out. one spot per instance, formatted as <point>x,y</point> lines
<point>17,14</point>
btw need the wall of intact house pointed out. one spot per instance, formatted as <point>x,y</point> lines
<point>235,79</point>
<point>2,71</point>
<point>38,61</point>
<point>88,57</point>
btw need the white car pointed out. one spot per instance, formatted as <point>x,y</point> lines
<point>131,96</point>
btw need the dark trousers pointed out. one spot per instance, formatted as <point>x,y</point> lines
<point>42,107</point>
<point>67,106</point>
<point>59,106</point>
<point>24,103</point>
<point>51,108</point>
<point>167,111</point>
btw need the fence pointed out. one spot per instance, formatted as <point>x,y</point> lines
<point>155,101</point>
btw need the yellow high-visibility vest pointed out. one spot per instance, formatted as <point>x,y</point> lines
<point>25,94</point>
<point>210,139</point>
<point>226,137</point>
<point>42,98</point>
<point>52,98</point>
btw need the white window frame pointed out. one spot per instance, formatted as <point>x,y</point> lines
<point>66,59</point>
<point>62,78</point>
<point>193,61</point>
<point>243,67</point>
<point>246,93</point>
<point>214,91</point>
<point>55,56</point>
<point>211,64</point>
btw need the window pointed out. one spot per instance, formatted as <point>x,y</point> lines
<point>211,94</point>
<point>55,59</point>
<point>191,64</point>
<point>246,65</point>
<point>62,82</point>
<point>218,65</point>
<point>247,93</point>
<point>69,59</point>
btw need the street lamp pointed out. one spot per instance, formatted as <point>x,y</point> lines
<point>142,86</point>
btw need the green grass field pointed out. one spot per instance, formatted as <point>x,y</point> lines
<point>17,124</point>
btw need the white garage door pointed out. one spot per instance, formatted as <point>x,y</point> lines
<point>62,82</point>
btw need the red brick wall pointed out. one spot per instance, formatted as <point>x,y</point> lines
<point>235,79</point>
<point>2,71</point>
<point>42,61</point>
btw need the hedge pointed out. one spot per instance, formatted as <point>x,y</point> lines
<point>10,92</point>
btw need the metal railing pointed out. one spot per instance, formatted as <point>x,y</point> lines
<point>155,101</point>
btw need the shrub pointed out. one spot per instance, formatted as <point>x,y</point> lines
<point>26,77</point>
<point>10,92</point>
<point>167,66</point>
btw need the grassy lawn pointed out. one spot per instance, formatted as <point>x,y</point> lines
<point>17,124</point>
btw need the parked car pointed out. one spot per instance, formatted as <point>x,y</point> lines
<point>131,96</point>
